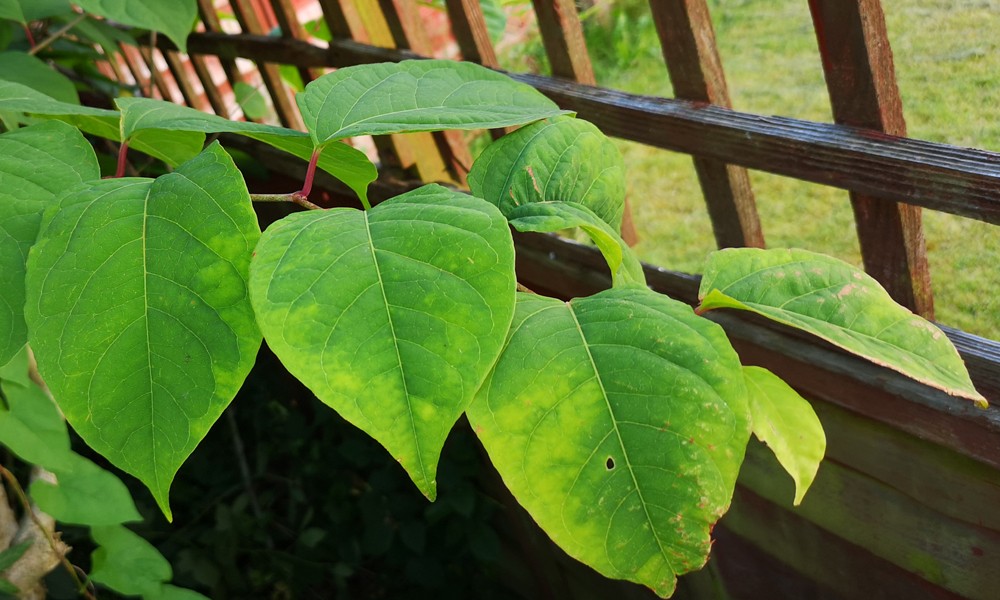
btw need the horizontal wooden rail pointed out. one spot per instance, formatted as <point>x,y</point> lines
<point>950,179</point>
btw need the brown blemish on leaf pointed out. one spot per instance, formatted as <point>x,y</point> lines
<point>534,182</point>
<point>846,290</point>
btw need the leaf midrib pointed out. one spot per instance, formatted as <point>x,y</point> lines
<point>395,345</point>
<point>621,442</point>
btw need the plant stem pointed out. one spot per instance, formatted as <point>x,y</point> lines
<point>122,155</point>
<point>29,35</point>
<point>310,174</point>
<point>29,510</point>
<point>35,49</point>
<point>295,197</point>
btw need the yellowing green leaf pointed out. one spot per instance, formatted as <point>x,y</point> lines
<point>840,304</point>
<point>392,316</point>
<point>138,311</point>
<point>787,423</point>
<point>619,421</point>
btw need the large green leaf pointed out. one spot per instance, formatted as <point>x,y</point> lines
<point>85,494</point>
<point>32,428</point>
<point>619,421</point>
<point>172,147</point>
<point>11,9</point>
<point>174,18</point>
<point>25,11</point>
<point>138,311</point>
<point>547,217</point>
<point>838,303</point>
<point>39,164</point>
<point>416,95</point>
<point>561,159</point>
<point>787,423</point>
<point>340,160</point>
<point>36,74</point>
<point>391,316</point>
<point>127,563</point>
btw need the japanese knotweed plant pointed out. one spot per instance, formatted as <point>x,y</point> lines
<point>619,420</point>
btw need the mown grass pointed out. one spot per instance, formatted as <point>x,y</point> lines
<point>947,55</point>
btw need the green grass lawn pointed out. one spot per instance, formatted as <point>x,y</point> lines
<point>947,55</point>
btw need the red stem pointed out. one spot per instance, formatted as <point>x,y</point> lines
<point>310,174</point>
<point>122,155</point>
<point>31,38</point>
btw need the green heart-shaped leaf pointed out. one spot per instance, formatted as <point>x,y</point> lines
<point>347,164</point>
<point>619,421</point>
<point>175,18</point>
<point>127,563</point>
<point>32,428</point>
<point>787,423</point>
<point>85,494</point>
<point>416,95</point>
<point>391,316</point>
<point>138,311</point>
<point>38,75</point>
<point>547,217</point>
<point>561,159</point>
<point>39,164</point>
<point>838,303</point>
<point>172,147</point>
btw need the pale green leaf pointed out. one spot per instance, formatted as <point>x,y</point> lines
<point>85,494</point>
<point>126,563</point>
<point>32,428</point>
<point>416,95</point>
<point>391,316</point>
<point>251,100</point>
<point>138,311</point>
<point>175,18</point>
<point>840,304</point>
<point>340,160</point>
<point>16,369</point>
<point>28,70</point>
<point>787,423</point>
<point>172,592</point>
<point>619,422</point>
<point>172,147</point>
<point>39,164</point>
<point>561,159</point>
<point>547,217</point>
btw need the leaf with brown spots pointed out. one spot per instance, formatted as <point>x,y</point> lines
<point>619,421</point>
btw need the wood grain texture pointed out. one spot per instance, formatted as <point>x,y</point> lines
<point>960,181</point>
<point>861,79</point>
<point>179,71</point>
<point>562,36</point>
<point>212,92</point>
<point>468,25</point>
<point>687,39</point>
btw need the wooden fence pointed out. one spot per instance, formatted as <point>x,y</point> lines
<point>906,503</point>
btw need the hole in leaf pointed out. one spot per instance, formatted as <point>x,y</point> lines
<point>610,464</point>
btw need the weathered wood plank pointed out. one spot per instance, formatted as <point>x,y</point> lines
<point>841,570</point>
<point>468,25</point>
<point>149,58</point>
<point>957,556</point>
<point>687,39</point>
<point>288,22</point>
<point>960,181</point>
<point>861,79</point>
<point>281,97</point>
<point>212,92</point>
<point>206,11</point>
<point>180,75</point>
<point>562,37</point>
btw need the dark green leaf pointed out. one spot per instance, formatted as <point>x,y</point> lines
<point>11,9</point>
<point>561,159</point>
<point>391,316</point>
<point>39,164</point>
<point>126,563</point>
<point>7,587</point>
<point>547,217</point>
<point>174,18</point>
<point>13,554</point>
<point>25,69</point>
<point>787,423</point>
<point>416,95</point>
<point>840,304</point>
<point>85,495</point>
<point>619,421</point>
<point>139,314</point>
